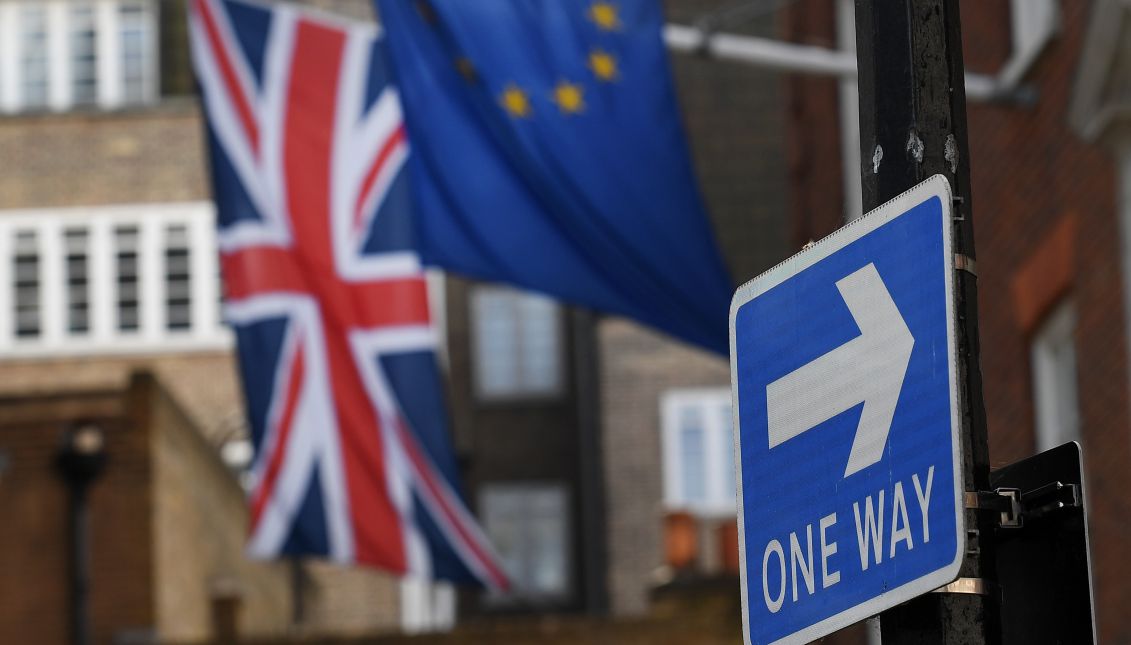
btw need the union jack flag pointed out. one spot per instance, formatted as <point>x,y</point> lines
<point>328,298</point>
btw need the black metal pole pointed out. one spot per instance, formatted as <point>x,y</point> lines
<point>80,460</point>
<point>80,564</point>
<point>913,126</point>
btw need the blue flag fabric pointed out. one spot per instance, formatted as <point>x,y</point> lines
<point>547,152</point>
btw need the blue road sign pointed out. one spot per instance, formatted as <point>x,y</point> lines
<point>843,371</point>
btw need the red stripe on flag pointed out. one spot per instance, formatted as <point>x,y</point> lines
<point>307,161</point>
<point>228,72</point>
<point>263,270</point>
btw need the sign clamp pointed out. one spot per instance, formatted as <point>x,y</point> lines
<point>965,263</point>
<point>1015,505</point>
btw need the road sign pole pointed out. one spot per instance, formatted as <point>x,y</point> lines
<point>913,126</point>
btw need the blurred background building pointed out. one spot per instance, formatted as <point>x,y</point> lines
<point>597,454</point>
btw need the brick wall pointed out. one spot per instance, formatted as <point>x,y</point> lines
<point>1047,229</point>
<point>34,547</point>
<point>206,384</point>
<point>92,158</point>
<point>156,155</point>
<point>199,528</point>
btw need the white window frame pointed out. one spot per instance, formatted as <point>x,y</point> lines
<point>206,332</point>
<point>1055,394</point>
<point>720,502</point>
<point>523,391</point>
<point>110,81</point>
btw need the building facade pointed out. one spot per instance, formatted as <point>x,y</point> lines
<point>108,265</point>
<point>1050,205</point>
<point>597,454</point>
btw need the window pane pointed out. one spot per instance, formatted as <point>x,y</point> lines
<point>84,55</point>
<point>1054,379</point>
<point>692,456</point>
<point>529,526</point>
<point>26,285</point>
<point>126,260</point>
<point>33,56</point>
<point>726,467</point>
<point>78,280</point>
<point>539,342</point>
<point>135,42</point>
<point>178,279</point>
<point>698,451</point>
<point>496,351</point>
<point>517,343</point>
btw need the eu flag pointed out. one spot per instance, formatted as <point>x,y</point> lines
<point>547,152</point>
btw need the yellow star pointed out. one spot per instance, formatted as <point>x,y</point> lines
<point>605,15</point>
<point>515,101</point>
<point>603,64</point>
<point>569,98</point>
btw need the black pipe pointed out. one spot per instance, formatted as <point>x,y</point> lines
<point>80,566</point>
<point>80,460</point>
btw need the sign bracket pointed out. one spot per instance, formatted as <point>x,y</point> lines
<point>1015,506</point>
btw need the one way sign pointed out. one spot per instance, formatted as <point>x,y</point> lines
<point>844,377</point>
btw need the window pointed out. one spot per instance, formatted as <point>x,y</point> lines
<point>517,342</point>
<point>698,451</point>
<point>26,272</point>
<point>528,523</point>
<point>78,280</point>
<point>33,56</point>
<point>80,53</point>
<point>125,269</point>
<point>109,279</point>
<point>1054,379</point>
<point>84,52</point>
<point>136,52</point>
<point>178,279</point>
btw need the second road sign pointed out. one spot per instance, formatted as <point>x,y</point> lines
<point>843,370</point>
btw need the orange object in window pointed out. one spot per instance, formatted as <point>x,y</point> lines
<point>681,540</point>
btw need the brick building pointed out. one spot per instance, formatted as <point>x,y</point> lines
<point>1049,161</point>
<point>596,452</point>
<point>165,529</point>
<point>108,266</point>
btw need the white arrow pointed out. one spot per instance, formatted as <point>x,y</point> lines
<point>868,369</point>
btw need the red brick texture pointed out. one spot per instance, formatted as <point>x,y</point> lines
<point>1046,220</point>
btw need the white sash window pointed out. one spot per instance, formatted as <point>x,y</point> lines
<point>698,451</point>
<point>57,54</point>
<point>109,279</point>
